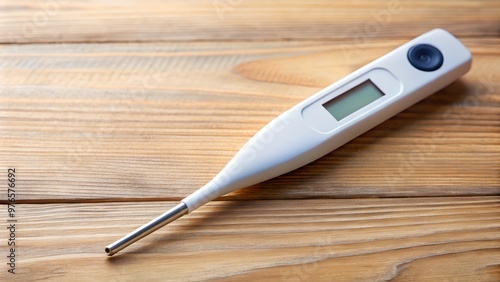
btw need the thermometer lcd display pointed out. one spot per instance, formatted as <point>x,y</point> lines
<point>353,100</point>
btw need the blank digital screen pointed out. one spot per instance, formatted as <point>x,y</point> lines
<point>353,100</point>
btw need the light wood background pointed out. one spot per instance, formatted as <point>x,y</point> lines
<point>112,111</point>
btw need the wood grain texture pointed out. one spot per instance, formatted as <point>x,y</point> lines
<point>112,121</point>
<point>291,240</point>
<point>25,21</point>
<point>112,111</point>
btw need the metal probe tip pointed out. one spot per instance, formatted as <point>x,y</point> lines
<point>148,228</point>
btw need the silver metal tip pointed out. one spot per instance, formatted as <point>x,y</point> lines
<point>148,228</point>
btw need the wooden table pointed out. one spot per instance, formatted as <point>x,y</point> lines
<point>113,111</point>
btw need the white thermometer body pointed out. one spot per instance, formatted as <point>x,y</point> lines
<point>337,114</point>
<point>331,118</point>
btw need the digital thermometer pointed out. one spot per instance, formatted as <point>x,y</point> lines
<point>329,119</point>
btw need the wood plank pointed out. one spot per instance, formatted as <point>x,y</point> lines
<point>158,120</point>
<point>418,239</point>
<point>26,21</point>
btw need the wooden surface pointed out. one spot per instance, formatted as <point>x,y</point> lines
<point>110,112</point>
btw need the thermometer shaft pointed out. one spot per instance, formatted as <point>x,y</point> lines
<point>148,228</point>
